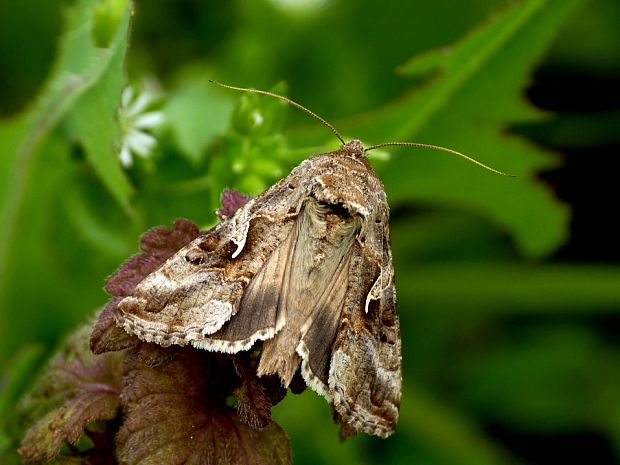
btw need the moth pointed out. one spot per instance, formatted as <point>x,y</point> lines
<point>306,268</point>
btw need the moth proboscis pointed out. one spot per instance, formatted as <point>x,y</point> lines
<point>306,270</point>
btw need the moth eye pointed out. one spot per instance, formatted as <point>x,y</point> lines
<point>378,221</point>
<point>292,187</point>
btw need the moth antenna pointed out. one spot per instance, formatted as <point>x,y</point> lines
<point>440,149</point>
<point>284,99</point>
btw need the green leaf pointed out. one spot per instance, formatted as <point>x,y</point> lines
<point>197,113</point>
<point>92,120</point>
<point>37,166</point>
<point>84,83</point>
<point>497,289</point>
<point>474,95</point>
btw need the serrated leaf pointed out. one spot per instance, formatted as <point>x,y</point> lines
<point>77,388</point>
<point>467,107</point>
<point>92,120</point>
<point>176,398</point>
<point>176,414</point>
<point>80,69</point>
<point>474,95</point>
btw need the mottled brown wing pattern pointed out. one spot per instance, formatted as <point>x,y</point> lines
<point>312,292</point>
<point>305,267</point>
<point>365,377</point>
<point>261,311</point>
<point>197,291</point>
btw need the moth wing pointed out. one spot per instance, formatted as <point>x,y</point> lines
<point>365,377</point>
<point>261,311</point>
<point>197,291</point>
<point>311,294</point>
<point>316,344</point>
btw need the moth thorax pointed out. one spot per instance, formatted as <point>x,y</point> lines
<point>331,221</point>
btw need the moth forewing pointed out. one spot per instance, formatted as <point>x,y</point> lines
<point>203,275</point>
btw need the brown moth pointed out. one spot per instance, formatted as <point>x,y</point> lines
<point>306,268</point>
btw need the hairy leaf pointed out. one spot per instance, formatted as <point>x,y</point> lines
<point>231,202</point>
<point>176,413</point>
<point>77,389</point>
<point>255,396</point>
<point>158,245</point>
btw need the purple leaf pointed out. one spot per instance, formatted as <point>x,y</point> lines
<point>176,413</point>
<point>106,336</point>
<point>77,389</point>
<point>158,245</point>
<point>231,202</point>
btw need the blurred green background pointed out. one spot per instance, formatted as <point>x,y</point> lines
<point>509,289</point>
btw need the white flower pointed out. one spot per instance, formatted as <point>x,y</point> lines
<point>134,122</point>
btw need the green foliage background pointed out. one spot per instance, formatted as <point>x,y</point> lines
<point>503,357</point>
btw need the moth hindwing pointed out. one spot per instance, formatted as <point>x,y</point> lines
<point>306,268</point>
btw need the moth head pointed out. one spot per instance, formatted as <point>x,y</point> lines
<point>354,147</point>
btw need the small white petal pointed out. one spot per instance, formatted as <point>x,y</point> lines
<point>258,118</point>
<point>149,120</point>
<point>125,157</point>
<point>140,103</point>
<point>126,96</point>
<point>141,143</point>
